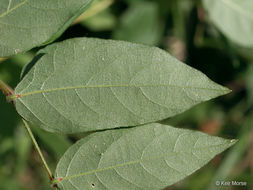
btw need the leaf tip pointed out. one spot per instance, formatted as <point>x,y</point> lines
<point>225,90</point>
<point>228,90</point>
<point>233,141</point>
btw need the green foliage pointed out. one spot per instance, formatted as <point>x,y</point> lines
<point>100,22</point>
<point>103,84</point>
<point>148,157</point>
<point>234,18</point>
<point>140,24</point>
<point>119,89</point>
<point>99,17</point>
<point>56,143</point>
<point>25,24</point>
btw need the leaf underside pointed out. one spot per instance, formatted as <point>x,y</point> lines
<point>234,18</point>
<point>25,24</point>
<point>148,157</point>
<point>87,84</point>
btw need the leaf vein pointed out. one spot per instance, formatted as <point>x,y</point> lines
<point>237,8</point>
<point>14,8</point>
<point>130,111</point>
<point>57,109</point>
<point>114,86</point>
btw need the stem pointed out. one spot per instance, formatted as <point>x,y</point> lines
<point>6,89</point>
<point>38,150</point>
<point>9,92</point>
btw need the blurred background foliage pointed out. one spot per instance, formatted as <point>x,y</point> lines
<point>190,32</point>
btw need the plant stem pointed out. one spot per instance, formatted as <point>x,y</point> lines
<point>38,150</point>
<point>6,89</point>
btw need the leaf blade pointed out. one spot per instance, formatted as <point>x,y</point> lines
<point>232,17</point>
<point>27,24</point>
<point>148,157</point>
<point>108,84</point>
<point>140,24</point>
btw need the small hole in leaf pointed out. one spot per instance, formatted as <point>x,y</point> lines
<point>93,185</point>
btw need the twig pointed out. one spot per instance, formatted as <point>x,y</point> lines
<point>6,89</point>
<point>38,150</point>
<point>9,92</point>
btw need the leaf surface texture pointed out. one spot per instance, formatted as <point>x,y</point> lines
<point>150,157</point>
<point>87,84</point>
<point>25,24</point>
<point>234,18</point>
<point>140,24</point>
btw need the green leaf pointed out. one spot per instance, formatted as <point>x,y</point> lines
<point>140,24</point>
<point>234,18</point>
<point>57,144</point>
<point>87,84</point>
<point>102,21</point>
<point>25,24</point>
<point>149,157</point>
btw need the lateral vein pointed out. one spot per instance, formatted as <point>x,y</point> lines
<point>237,8</point>
<point>14,8</point>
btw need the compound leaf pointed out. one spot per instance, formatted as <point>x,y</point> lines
<point>25,24</point>
<point>87,84</point>
<point>150,157</point>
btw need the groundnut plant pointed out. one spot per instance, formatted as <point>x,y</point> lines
<point>117,91</point>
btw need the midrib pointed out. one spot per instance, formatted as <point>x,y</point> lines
<point>112,86</point>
